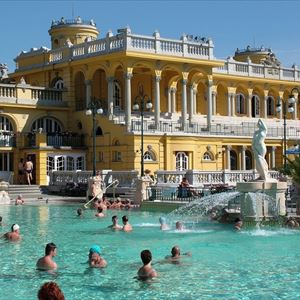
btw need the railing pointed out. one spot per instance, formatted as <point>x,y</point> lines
<point>243,129</point>
<point>7,91</point>
<point>206,178</point>
<point>125,41</point>
<point>46,94</point>
<point>247,69</point>
<point>7,140</point>
<point>65,139</point>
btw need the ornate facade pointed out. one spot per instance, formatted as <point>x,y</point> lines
<point>204,110</point>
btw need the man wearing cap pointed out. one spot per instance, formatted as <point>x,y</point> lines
<point>46,262</point>
<point>95,259</point>
<point>14,234</point>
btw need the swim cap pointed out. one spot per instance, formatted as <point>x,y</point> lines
<point>15,227</point>
<point>162,220</point>
<point>95,249</point>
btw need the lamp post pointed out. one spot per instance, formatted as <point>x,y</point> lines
<point>141,102</point>
<point>290,103</point>
<point>93,110</point>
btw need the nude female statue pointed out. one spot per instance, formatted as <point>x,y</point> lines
<point>259,148</point>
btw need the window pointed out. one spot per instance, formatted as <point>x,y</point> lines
<point>270,106</point>
<point>5,125</point>
<point>248,160</point>
<point>80,163</point>
<point>48,125</point>
<point>181,161</point>
<point>99,131</point>
<point>233,160</point>
<point>117,95</point>
<point>70,163</point>
<point>149,156</point>
<point>240,104</point>
<point>58,84</point>
<point>207,156</point>
<point>255,106</point>
<point>117,156</point>
<point>101,156</point>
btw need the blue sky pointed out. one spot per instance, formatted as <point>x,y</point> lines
<point>231,24</point>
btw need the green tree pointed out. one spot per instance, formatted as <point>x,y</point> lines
<point>293,169</point>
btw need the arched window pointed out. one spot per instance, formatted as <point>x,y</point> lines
<point>255,106</point>
<point>5,125</point>
<point>48,125</point>
<point>99,131</point>
<point>181,161</point>
<point>240,104</point>
<point>233,160</point>
<point>149,156</point>
<point>117,95</point>
<point>58,83</point>
<point>248,157</point>
<point>207,156</point>
<point>270,106</point>
<point>80,91</point>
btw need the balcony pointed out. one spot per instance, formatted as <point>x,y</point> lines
<point>7,140</point>
<point>55,140</point>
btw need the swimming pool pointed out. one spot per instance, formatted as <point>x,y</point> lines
<point>252,264</point>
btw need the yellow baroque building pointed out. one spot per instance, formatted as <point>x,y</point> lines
<point>203,115</point>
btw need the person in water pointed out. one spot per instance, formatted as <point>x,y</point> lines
<point>79,212</point>
<point>46,262</point>
<point>179,226</point>
<point>176,255</point>
<point>95,258</point>
<point>50,291</point>
<point>238,223</point>
<point>146,271</point>
<point>115,225</point>
<point>127,227</point>
<point>163,223</point>
<point>19,200</point>
<point>100,213</point>
<point>14,234</point>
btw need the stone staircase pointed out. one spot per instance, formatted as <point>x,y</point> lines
<point>29,192</point>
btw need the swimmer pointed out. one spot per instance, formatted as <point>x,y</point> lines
<point>46,262</point>
<point>79,212</point>
<point>179,225</point>
<point>115,225</point>
<point>14,234</point>
<point>238,223</point>
<point>146,271</point>
<point>19,200</point>
<point>175,254</point>
<point>50,290</point>
<point>95,259</point>
<point>127,227</point>
<point>163,223</point>
<point>100,213</point>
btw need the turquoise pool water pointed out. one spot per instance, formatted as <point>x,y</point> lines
<point>252,264</point>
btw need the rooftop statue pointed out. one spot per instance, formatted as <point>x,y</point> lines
<point>259,148</point>
<point>3,71</point>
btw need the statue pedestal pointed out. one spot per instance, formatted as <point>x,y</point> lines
<point>275,189</point>
<point>141,190</point>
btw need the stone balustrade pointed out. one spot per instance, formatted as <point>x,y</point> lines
<point>232,67</point>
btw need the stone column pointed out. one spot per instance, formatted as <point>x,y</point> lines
<point>281,105</point>
<point>157,101</point>
<point>243,156</point>
<point>110,97</point>
<point>232,104</point>
<point>88,85</point>
<point>195,101</point>
<point>191,103</point>
<point>229,114</point>
<point>209,103</point>
<point>228,148</point>
<point>169,100</point>
<point>128,77</point>
<point>173,100</point>
<point>295,110</point>
<point>183,103</point>
<point>265,107</point>
<point>249,106</point>
<point>214,103</point>
<point>273,158</point>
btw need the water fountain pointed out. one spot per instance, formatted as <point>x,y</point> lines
<point>4,198</point>
<point>254,201</point>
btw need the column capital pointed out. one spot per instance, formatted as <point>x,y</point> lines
<point>184,81</point>
<point>110,79</point>
<point>157,78</point>
<point>128,75</point>
<point>173,89</point>
<point>274,148</point>
<point>229,147</point>
<point>244,148</point>
<point>88,82</point>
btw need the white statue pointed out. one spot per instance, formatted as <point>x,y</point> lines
<point>260,150</point>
